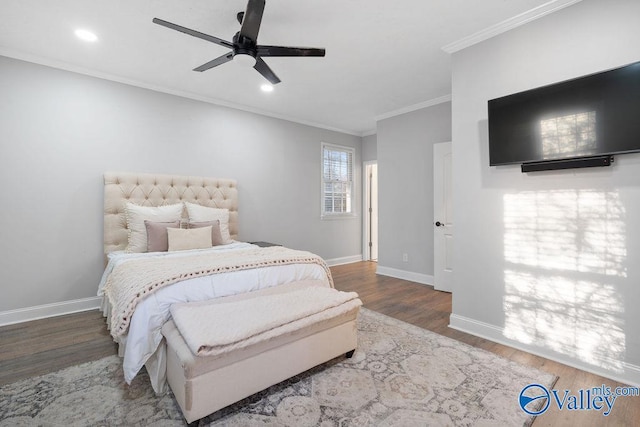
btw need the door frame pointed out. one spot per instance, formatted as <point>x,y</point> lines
<point>366,253</point>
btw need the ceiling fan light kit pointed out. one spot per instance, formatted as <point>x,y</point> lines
<point>245,48</point>
<point>244,59</point>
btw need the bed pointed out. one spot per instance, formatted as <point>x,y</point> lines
<point>198,274</point>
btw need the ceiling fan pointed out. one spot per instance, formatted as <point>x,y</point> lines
<point>245,47</point>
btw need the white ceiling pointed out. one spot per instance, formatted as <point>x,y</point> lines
<point>383,56</point>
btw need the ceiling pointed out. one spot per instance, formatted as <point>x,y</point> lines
<point>382,56</point>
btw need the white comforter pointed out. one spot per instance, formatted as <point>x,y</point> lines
<point>142,343</point>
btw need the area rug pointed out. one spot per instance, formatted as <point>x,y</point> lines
<point>400,375</point>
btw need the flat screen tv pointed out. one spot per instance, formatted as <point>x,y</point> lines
<point>594,115</point>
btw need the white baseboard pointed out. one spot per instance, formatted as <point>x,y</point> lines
<point>630,373</point>
<point>48,310</point>
<point>411,276</point>
<point>344,260</point>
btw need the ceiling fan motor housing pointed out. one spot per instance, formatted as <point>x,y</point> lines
<point>243,46</point>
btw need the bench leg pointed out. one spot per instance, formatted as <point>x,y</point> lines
<point>350,354</point>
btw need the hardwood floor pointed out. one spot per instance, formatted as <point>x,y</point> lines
<point>41,346</point>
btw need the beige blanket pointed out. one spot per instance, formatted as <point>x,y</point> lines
<point>214,327</point>
<point>134,280</point>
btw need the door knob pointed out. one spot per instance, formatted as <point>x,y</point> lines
<point>439,224</point>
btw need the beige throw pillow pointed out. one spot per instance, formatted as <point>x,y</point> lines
<point>136,215</point>
<point>216,235</point>
<point>181,239</point>
<point>198,213</point>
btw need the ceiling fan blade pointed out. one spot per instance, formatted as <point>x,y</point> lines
<point>252,19</point>
<point>289,51</point>
<point>193,33</point>
<point>266,72</point>
<point>214,63</point>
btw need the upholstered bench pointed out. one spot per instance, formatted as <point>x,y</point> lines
<point>205,384</point>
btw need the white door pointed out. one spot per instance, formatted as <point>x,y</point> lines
<point>370,223</point>
<point>442,217</point>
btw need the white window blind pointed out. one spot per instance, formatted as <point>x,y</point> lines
<point>337,180</point>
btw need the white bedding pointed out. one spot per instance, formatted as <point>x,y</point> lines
<point>142,343</point>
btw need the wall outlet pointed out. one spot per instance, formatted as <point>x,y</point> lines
<point>405,257</point>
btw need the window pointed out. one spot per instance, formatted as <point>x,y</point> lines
<point>337,180</point>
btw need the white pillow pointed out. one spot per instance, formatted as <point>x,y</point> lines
<point>136,215</point>
<point>199,213</point>
<point>181,239</point>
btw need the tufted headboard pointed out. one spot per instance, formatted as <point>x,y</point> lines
<point>157,190</point>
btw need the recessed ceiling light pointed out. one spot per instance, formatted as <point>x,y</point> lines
<point>86,35</point>
<point>266,88</point>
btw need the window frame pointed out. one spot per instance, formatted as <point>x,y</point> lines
<point>351,191</point>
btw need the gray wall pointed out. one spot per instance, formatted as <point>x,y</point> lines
<point>60,131</point>
<point>405,186</point>
<point>548,261</point>
<point>370,148</point>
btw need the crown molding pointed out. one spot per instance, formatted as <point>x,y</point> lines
<point>414,107</point>
<point>61,65</point>
<point>509,24</point>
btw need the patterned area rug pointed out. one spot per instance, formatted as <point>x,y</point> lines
<point>401,375</point>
